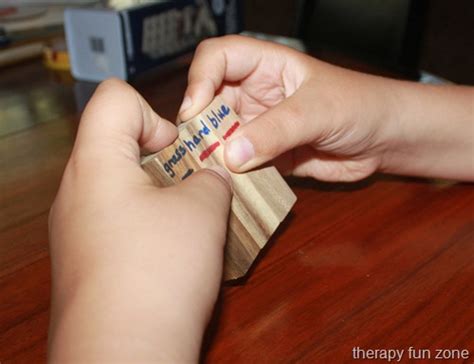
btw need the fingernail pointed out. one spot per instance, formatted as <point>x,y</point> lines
<point>222,172</point>
<point>239,151</point>
<point>186,104</point>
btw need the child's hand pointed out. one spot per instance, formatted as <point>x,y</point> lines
<point>136,269</point>
<point>326,122</point>
<point>298,107</point>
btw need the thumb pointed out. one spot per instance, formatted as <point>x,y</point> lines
<point>118,122</point>
<point>211,188</point>
<point>272,133</point>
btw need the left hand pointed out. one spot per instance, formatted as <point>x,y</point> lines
<point>136,269</point>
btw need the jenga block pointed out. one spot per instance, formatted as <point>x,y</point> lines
<point>261,198</point>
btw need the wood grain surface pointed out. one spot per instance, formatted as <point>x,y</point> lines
<point>261,198</point>
<point>383,263</point>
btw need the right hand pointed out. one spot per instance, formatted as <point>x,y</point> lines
<point>320,120</point>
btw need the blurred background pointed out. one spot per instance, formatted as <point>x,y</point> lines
<point>400,36</point>
<point>435,35</point>
<point>54,52</point>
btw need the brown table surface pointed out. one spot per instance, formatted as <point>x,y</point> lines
<point>384,263</point>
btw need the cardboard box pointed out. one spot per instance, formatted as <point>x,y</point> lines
<point>104,42</point>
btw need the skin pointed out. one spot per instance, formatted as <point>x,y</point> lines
<point>130,284</point>
<point>137,269</point>
<point>327,122</point>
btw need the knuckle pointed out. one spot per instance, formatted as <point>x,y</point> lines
<point>295,124</point>
<point>209,44</point>
<point>273,138</point>
<point>283,132</point>
<point>112,87</point>
<point>111,83</point>
<point>233,38</point>
<point>206,45</point>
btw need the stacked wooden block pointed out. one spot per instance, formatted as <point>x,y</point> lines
<point>261,198</point>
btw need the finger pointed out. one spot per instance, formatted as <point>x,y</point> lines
<point>272,133</point>
<point>230,58</point>
<point>230,94</point>
<point>212,188</point>
<point>118,122</point>
<point>214,181</point>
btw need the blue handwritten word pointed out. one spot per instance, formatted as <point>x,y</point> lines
<point>215,118</point>
<point>197,138</point>
<point>179,153</point>
<point>218,115</point>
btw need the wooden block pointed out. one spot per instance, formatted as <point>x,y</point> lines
<point>261,198</point>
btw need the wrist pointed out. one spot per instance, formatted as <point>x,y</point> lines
<point>392,136</point>
<point>429,131</point>
<point>370,111</point>
<point>123,311</point>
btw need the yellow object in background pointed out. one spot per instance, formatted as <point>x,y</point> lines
<point>56,59</point>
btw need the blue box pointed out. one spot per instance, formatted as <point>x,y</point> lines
<point>106,43</point>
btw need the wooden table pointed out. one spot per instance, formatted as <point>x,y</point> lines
<point>384,263</point>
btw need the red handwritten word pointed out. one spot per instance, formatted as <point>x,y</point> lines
<point>207,152</point>
<point>231,130</point>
